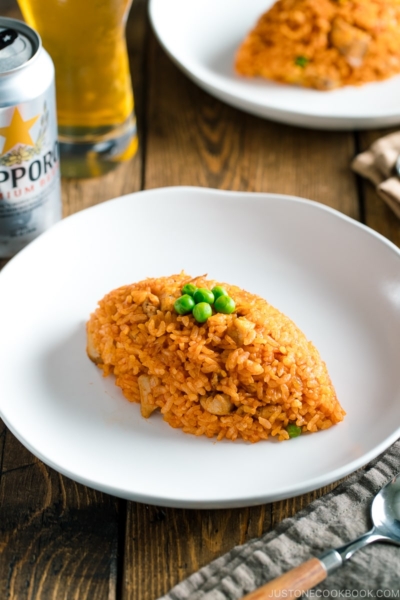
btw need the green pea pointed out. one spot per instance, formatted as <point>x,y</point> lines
<point>293,431</point>
<point>189,288</point>
<point>219,291</point>
<point>225,305</point>
<point>184,304</point>
<point>202,311</point>
<point>203,295</point>
<point>301,61</point>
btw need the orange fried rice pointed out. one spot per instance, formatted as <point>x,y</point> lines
<point>324,44</point>
<point>246,375</point>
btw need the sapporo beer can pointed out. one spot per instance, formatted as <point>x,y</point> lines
<point>30,194</point>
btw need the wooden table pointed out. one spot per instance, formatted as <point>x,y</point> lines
<point>62,541</point>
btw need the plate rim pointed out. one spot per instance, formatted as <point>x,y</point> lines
<point>290,116</point>
<point>180,501</point>
<point>264,196</point>
<point>239,502</point>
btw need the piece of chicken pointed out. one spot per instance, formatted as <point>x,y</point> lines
<point>220,404</point>
<point>351,41</point>
<point>146,384</point>
<point>91,351</point>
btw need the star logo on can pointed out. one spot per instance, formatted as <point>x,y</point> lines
<point>17,132</point>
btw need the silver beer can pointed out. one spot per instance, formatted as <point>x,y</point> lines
<point>30,193</point>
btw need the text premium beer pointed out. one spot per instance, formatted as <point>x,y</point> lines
<point>30,196</point>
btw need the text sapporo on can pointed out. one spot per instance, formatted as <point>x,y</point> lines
<point>30,194</point>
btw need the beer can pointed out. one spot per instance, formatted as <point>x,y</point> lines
<point>30,193</point>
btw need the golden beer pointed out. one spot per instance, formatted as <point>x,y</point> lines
<point>86,40</point>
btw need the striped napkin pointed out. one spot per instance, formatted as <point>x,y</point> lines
<point>330,521</point>
<point>378,165</point>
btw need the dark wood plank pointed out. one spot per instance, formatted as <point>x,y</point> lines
<point>79,194</point>
<point>165,545</point>
<point>193,139</point>
<point>9,8</point>
<point>59,539</point>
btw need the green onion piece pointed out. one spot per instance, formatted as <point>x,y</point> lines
<point>301,61</point>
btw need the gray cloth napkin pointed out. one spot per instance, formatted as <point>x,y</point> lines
<point>332,520</point>
<point>378,164</point>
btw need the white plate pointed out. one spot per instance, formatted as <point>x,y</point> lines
<point>339,281</point>
<point>202,36</point>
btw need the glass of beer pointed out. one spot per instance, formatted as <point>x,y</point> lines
<point>86,40</point>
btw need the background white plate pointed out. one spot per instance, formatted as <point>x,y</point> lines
<point>202,37</point>
<point>339,281</point>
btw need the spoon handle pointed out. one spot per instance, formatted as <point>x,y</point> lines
<point>299,579</point>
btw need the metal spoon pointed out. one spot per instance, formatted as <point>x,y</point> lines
<point>385,513</point>
<point>397,166</point>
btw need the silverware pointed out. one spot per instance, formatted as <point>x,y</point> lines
<point>385,513</point>
<point>397,166</point>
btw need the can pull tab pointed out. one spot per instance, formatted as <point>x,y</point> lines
<point>7,37</point>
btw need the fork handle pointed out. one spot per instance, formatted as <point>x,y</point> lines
<point>299,579</point>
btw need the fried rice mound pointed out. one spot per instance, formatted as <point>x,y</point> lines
<point>324,44</point>
<point>246,375</point>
